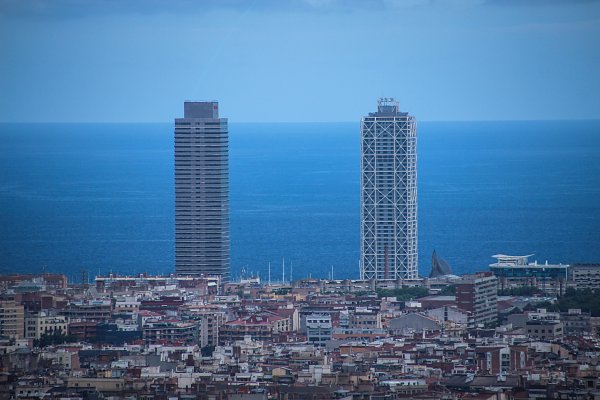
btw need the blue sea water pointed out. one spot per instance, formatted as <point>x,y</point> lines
<point>100,197</point>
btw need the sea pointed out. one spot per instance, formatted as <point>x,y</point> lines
<point>100,197</point>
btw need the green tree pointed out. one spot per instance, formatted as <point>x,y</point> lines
<point>448,290</point>
<point>207,351</point>
<point>519,291</point>
<point>54,338</point>
<point>587,300</point>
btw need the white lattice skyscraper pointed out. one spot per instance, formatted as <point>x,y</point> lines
<point>388,195</point>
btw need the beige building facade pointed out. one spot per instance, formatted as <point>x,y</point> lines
<point>37,325</point>
<point>11,319</point>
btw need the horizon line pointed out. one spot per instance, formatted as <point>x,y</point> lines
<point>303,122</point>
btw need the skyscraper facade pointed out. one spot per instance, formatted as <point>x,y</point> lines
<point>388,195</point>
<point>202,191</point>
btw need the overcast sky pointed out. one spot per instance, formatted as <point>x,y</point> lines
<point>298,60</point>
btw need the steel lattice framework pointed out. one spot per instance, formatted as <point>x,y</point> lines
<point>388,218</point>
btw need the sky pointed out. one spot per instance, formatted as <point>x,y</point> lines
<point>298,60</point>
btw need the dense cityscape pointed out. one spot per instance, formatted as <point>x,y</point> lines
<point>498,334</point>
<point>517,329</point>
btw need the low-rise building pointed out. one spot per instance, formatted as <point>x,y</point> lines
<point>49,281</point>
<point>493,359</point>
<point>84,331</point>
<point>413,322</point>
<point>206,285</point>
<point>318,329</point>
<point>258,327</point>
<point>477,294</point>
<point>42,323</point>
<point>11,319</point>
<point>586,276</point>
<point>363,318</point>
<point>99,310</point>
<point>170,332</point>
<point>127,306</point>
<point>517,272</point>
<point>544,330</point>
<point>576,322</point>
<point>208,320</point>
<point>541,314</point>
<point>449,314</point>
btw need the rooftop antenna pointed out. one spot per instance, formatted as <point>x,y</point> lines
<point>388,104</point>
<point>269,273</point>
<point>283,271</point>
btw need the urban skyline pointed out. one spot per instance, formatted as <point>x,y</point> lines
<point>388,176</point>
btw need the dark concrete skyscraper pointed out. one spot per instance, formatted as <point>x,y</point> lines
<point>388,194</point>
<point>202,191</point>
